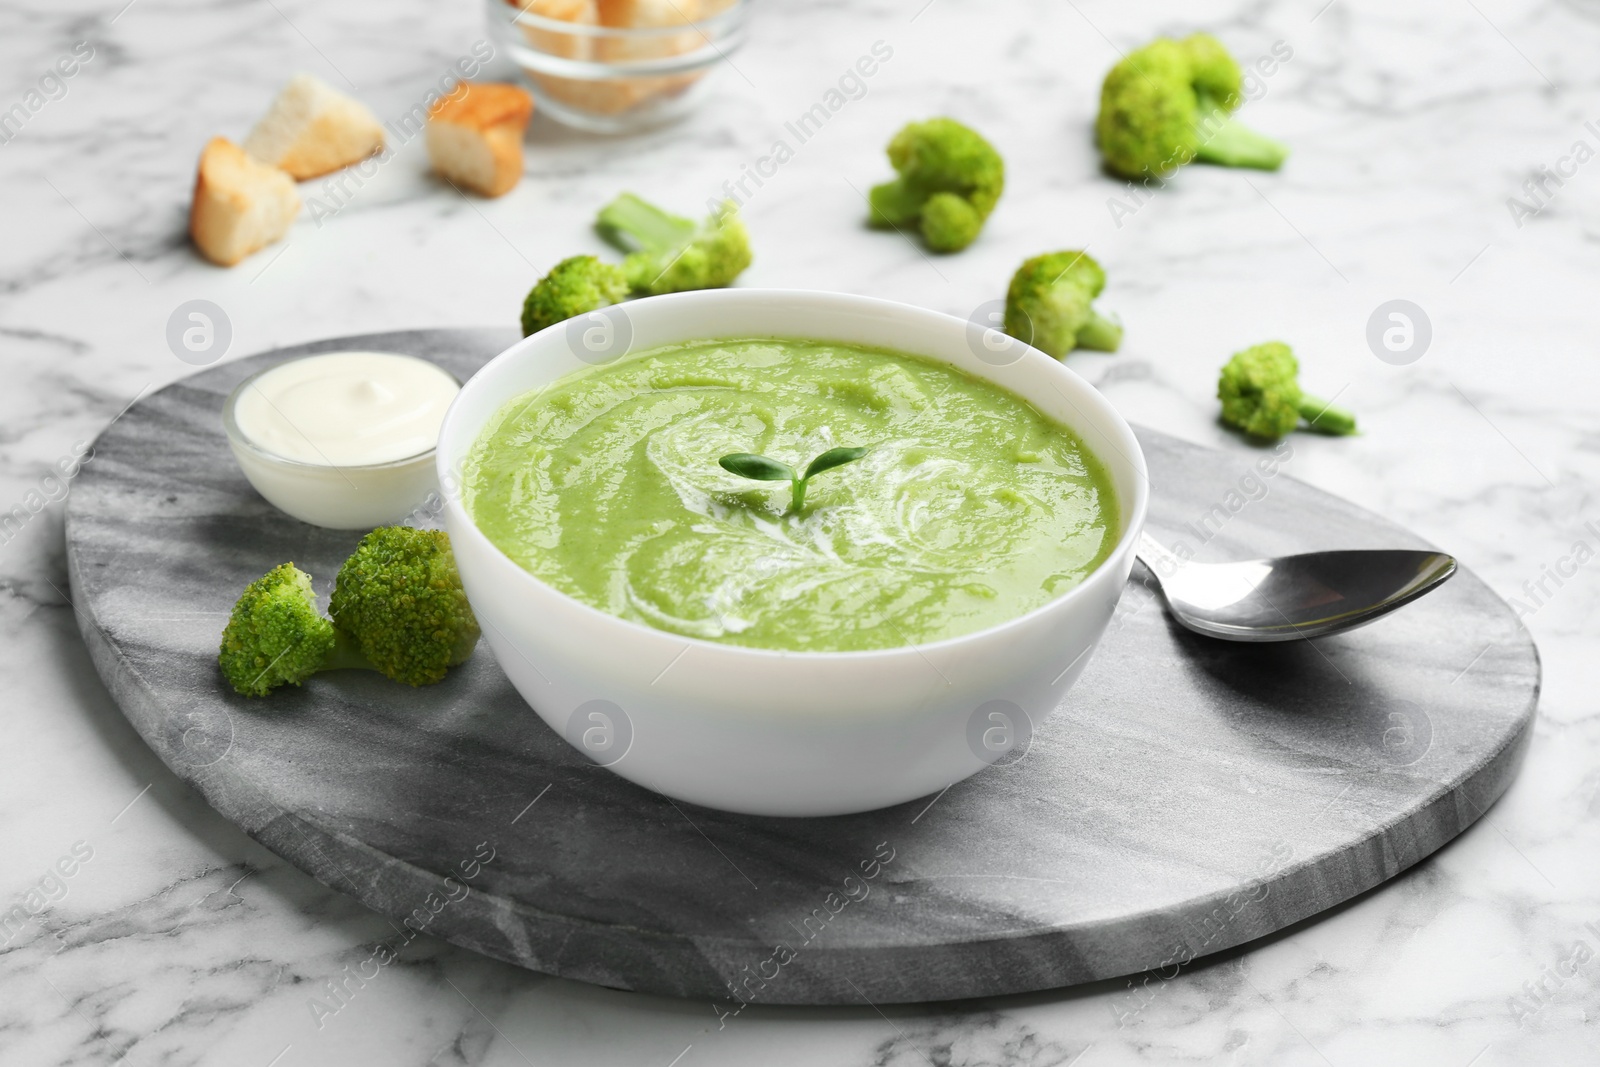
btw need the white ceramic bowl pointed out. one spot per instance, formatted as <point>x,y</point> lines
<point>778,733</point>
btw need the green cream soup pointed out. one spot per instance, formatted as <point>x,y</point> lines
<point>970,509</point>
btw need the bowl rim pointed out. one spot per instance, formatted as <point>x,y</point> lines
<point>730,15</point>
<point>1132,513</point>
<point>242,441</point>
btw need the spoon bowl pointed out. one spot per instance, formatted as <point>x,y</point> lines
<point>1308,595</point>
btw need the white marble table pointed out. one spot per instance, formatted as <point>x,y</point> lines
<point>178,940</point>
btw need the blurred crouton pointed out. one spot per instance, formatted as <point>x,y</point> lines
<point>475,136</point>
<point>239,205</point>
<point>312,129</point>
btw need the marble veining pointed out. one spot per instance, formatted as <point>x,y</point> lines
<point>1412,127</point>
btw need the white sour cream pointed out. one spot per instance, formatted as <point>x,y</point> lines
<point>346,409</point>
<point>345,439</point>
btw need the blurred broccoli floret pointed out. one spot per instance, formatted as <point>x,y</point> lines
<point>575,286</point>
<point>1171,102</point>
<point>671,254</point>
<point>399,600</point>
<point>275,635</point>
<point>398,608</point>
<point>1049,305</point>
<point>1260,394</point>
<point>950,179</point>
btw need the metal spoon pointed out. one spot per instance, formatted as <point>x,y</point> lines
<point>1280,599</point>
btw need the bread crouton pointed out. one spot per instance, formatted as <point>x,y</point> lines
<point>312,129</point>
<point>613,96</point>
<point>607,96</point>
<point>586,94</point>
<point>647,15</point>
<point>553,42</point>
<point>239,205</point>
<point>475,136</point>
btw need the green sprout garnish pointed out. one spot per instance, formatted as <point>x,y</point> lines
<point>762,469</point>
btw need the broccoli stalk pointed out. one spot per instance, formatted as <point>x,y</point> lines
<point>1233,144</point>
<point>1261,395</point>
<point>671,254</point>
<point>950,180</point>
<point>397,607</point>
<point>1171,102</point>
<point>1049,305</point>
<point>575,286</point>
<point>1100,334</point>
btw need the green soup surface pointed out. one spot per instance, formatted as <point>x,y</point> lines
<point>972,508</point>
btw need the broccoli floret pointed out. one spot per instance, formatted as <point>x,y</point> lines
<point>575,286</point>
<point>1169,103</point>
<point>671,254</point>
<point>950,179</point>
<point>399,600</point>
<point>1049,305</point>
<point>275,635</point>
<point>397,608</point>
<point>1260,395</point>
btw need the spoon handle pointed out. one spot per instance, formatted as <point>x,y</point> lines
<point>1157,557</point>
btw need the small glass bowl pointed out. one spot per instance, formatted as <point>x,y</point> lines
<point>349,497</point>
<point>612,80</point>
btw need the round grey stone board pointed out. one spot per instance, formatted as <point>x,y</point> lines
<point>1189,796</point>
